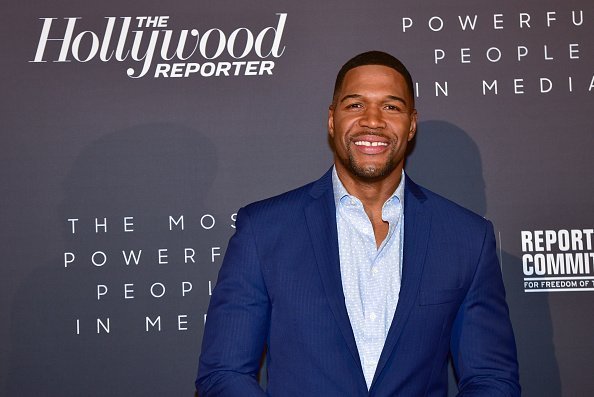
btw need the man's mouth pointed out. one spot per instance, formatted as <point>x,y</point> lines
<point>370,144</point>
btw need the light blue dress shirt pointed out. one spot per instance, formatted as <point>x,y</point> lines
<point>370,275</point>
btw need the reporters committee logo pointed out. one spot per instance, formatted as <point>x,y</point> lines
<point>156,50</point>
<point>558,260</point>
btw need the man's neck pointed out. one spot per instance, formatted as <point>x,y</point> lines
<point>373,193</point>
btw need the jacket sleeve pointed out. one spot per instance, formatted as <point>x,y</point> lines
<point>237,321</point>
<point>482,345</point>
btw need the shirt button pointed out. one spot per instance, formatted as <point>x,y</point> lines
<point>375,270</point>
<point>372,316</point>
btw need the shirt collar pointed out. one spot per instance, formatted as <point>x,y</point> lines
<point>340,191</point>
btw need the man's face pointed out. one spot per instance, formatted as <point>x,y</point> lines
<point>370,122</point>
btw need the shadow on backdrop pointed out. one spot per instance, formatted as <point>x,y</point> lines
<point>147,172</point>
<point>446,160</point>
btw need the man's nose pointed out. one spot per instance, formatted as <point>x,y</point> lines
<point>372,118</point>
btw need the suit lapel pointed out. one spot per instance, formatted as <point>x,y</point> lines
<point>321,221</point>
<point>417,224</point>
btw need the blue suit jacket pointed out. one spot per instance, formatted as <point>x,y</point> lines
<point>280,285</point>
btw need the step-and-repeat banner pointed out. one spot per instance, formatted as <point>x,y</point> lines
<point>132,132</point>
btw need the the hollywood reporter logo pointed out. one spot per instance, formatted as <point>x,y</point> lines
<point>147,40</point>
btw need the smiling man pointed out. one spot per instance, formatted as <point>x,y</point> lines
<point>361,283</point>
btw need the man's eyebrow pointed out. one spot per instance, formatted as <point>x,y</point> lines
<point>350,96</point>
<point>397,98</point>
<point>357,96</point>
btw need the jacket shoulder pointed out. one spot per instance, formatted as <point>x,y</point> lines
<point>446,209</point>
<point>292,200</point>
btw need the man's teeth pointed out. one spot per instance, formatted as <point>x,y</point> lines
<point>367,143</point>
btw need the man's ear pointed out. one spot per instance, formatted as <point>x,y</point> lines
<point>413,125</point>
<point>331,120</point>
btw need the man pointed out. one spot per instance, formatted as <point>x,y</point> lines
<point>361,283</point>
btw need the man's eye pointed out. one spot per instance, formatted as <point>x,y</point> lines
<point>354,106</point>
<point>393,107</point>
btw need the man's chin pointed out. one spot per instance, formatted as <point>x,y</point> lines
<point>371,172</point>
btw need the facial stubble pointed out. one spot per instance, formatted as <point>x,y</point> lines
<point>370,172</point>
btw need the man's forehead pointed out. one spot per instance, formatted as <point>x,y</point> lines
<point>373,69</point>
<point>376,80</point>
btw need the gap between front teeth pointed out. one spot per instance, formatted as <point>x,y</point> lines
<point>367,143</point>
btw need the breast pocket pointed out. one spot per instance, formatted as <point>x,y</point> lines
<point>440,296</point>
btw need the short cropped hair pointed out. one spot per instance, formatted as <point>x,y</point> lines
<point>374,58</point>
